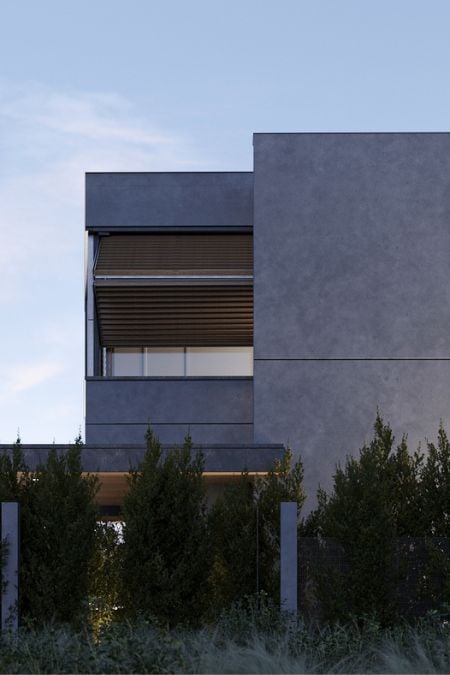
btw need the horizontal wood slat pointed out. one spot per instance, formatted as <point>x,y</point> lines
<point>175,254</point>
<point>135,311</point>
<point>180,316</point>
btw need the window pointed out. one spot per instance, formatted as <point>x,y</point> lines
<point>126,362</point>
<point>163,362</point>
<point>226,361</point>
<point>180,362</point>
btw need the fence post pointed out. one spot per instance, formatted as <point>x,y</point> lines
<point>288,556</point>
<point>10,570</point>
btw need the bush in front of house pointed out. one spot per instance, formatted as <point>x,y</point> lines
<point>58,520</point>
<point>165,546</point>
<point>244,528</point>
<point>243,640</point>
<point>180,564</point>
<point>389,514</point>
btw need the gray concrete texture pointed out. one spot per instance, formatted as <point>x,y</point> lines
<point>325,410</point>
<point>10,570</point>
<point>120,458</point>
<point>288,556</point>
<point>127,201</point>
<point>217,458</point>
<point>351,241</point>
<point>351,238</point>
<point>170,432</point>
<point>215,410</point>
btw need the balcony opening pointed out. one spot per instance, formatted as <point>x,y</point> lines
<point>174,304</point>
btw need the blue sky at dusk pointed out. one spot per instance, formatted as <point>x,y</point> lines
<point>179,85</point>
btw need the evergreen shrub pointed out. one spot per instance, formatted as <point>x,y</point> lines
<point>244,528</point>
<point>165,547</point>
<point>58,519</point>
<point>385,510</point>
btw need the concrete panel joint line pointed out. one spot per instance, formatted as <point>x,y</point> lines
<point>10,568</point>
<point>288,556</point>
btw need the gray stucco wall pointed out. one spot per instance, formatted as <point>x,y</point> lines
<point>127,201</point>
<point>215,410</point>
<point>120,458</point>
<point>352,292</point>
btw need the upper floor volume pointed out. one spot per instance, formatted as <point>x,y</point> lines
<point>171,300</point>
<point>287,303</point>
<point>169,295</point>
<point>191,201</point>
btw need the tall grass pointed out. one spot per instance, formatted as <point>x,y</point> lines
<point>242,641</point>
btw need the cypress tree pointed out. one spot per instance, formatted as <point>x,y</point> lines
<point>435,488</point>
<point>374,500</point>
<point>244,532</point>
<point>58,521</point>
<point>232,534</point>
<point>165,548</point>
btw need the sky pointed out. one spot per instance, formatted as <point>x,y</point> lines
<point>109,85</point>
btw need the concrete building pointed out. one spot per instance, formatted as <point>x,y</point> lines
<point>351,290</point>
<point>283,305</point>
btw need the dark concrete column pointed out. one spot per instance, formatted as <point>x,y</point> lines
<point>10,571</point>
<point>288,556</point>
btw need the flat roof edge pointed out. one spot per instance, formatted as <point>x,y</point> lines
<point>166,173</point>
<point>350,133</point>
<point>122,458</point>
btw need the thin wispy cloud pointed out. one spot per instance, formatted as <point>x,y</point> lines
<point>48,140</point>
<point>92,116</point>
<point>24,377</point>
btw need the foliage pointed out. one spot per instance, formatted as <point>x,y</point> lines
<point>244,533</point>
<point>434,522</point>
<point>375,499</point>
<point>252,638</point>
<point>165,557</point>
<point>435,488</point>
<point>58,521</point>
<point>120,648</point>
<point>383,527</point>
<point>12,466</point>
<point>4,552</point>
<point>283,483</point>
<point>105,575</point>
<point>232,533</point>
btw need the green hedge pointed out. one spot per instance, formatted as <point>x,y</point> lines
<point>182,562</point>
<point>58,520</point>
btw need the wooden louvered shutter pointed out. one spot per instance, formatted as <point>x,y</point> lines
<point>175,255</point>
<point>167,290</point>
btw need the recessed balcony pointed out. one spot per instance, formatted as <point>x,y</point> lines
<point>175,304</point>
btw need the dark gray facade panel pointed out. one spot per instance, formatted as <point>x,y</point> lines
<point>351,242</point>
<point>216,458</point>
<point>169,433</point>
<point>118,458</point>
<point>121,201</point>
<point>169,401</point>
<point>326,409</point>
